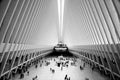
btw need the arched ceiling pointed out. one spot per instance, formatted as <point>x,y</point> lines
<point>47,21</point>
<point>91,22</point>
<point>86,22</point>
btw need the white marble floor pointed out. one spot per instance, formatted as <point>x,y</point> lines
<point>73,72</point>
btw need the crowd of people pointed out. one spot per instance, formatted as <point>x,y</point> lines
<point>60,62</point>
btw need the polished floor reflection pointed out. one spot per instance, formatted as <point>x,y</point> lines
<point>56,68</point>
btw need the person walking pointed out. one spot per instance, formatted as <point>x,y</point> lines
<point>65,77</point>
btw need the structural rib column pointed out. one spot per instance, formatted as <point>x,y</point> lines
<point>24,33</point>
<point>3,36</point>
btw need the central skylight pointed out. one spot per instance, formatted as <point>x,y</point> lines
<point>61,15</point>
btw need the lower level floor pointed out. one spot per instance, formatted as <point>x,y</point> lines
<point>60,68</point>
